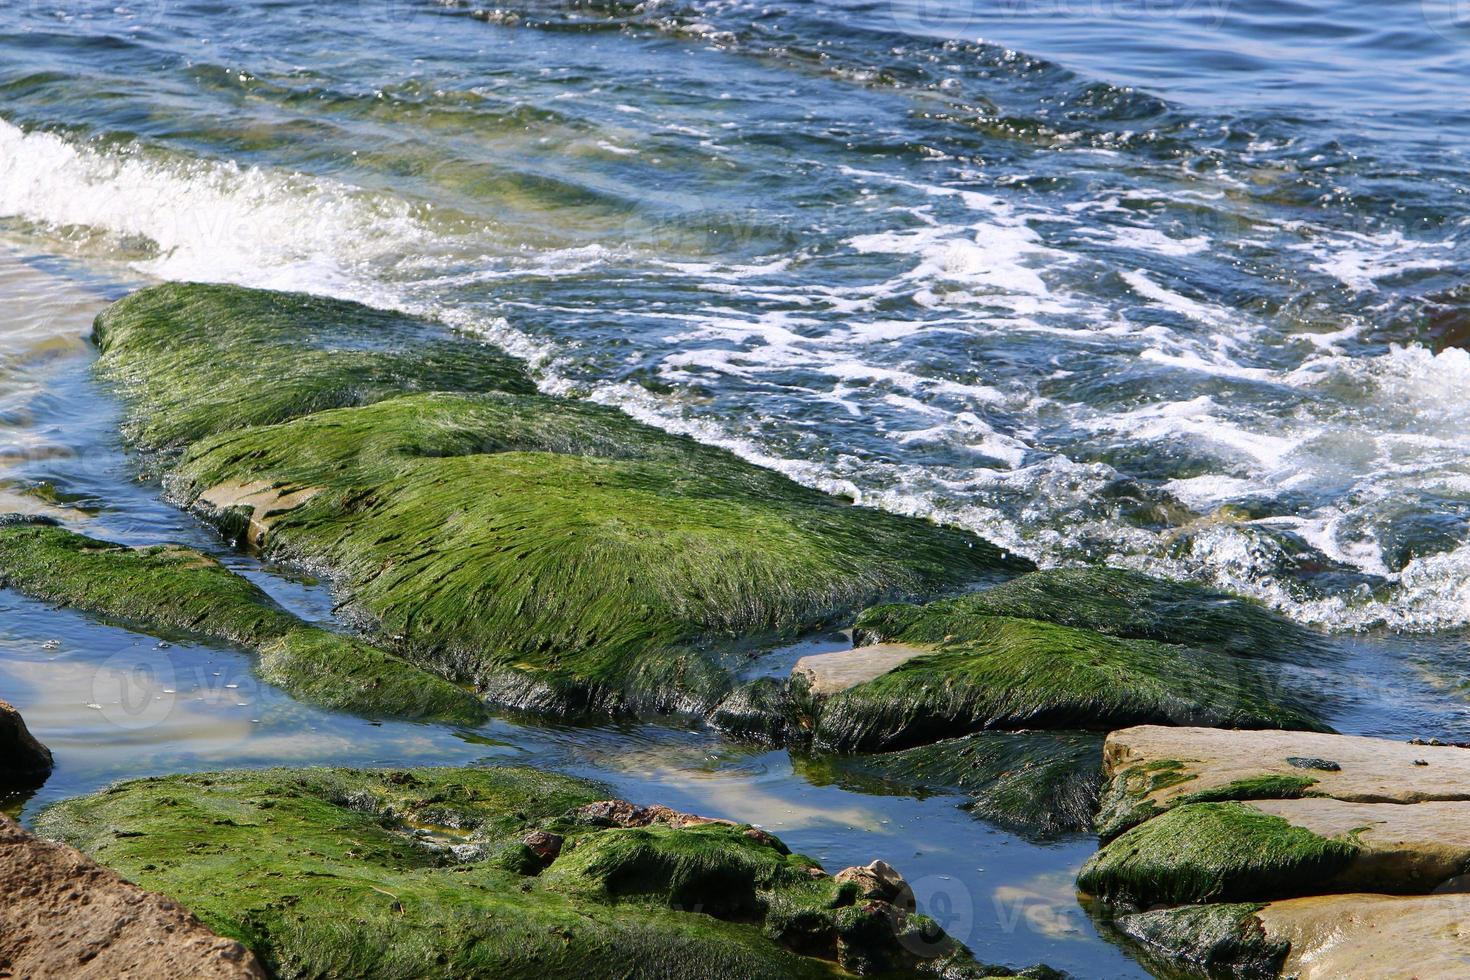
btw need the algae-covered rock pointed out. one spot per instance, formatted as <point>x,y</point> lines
<point>1114,601</point>
<point>556,554</point>
<point>987,672</point>
<point>402,873</point>
<point>193,359</point>
<point>173,589</point>
<point>1225,940</point>
<point>1214,852</point>
<point>1039,784</point>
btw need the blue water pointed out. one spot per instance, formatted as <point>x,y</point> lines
<point>1167,285</point>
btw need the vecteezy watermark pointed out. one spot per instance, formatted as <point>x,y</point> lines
<point>967,18</point>
<point>1448,18</point>
<point>140,688</point>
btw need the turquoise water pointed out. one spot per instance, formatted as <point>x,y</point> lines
<point>1172,286</point>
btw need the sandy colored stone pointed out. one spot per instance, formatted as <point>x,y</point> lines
<point>267,503</point>
<point>1372,770</point>
<point>828,673</point>
<point>24,761</point>
<point>63,915</point>
<point>1373,937</point>
<point>879,881</point>
<point>1405,848</point>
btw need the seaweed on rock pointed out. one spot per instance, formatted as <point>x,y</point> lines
<point>558,555</point>
<point>999,672</point>
<point>394,873</point>
<point>171,588</point>
<point>1213,852</point>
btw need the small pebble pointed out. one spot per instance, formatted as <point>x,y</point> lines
<point>1421,762</point>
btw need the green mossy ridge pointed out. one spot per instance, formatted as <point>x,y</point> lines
<point>1209,940</point>
<point>1126,800</point>
<point>1002,673</point>
<point>320,872</point>
<point>1038,784</point>
<point>559,555</point>
<point>173,589</point>
<point>193,359</point>
<point>1212,852</point>
<point>1114,601</point>
<point>563,556</point>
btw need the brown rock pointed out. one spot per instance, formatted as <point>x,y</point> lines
<point>830,673</point>
<point>23,760</point>
<point>880,882</point>
<point>621,813</point>
<point>545,845</point>
<point>63,915</point>
<point>1372,937</point>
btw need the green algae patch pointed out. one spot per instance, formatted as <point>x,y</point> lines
<point>1114,601</point>
<point>1126,800</point>
<point>1003,673</point>
<point>557,555</point>
<point>193,359</point>
<point>1213,940</point>
<point>402,874</point>
<point>1038,784</point>
<point>1212,852</point>
<point>560,555</point>
<point>171,589</point>
<point>1268,787</point>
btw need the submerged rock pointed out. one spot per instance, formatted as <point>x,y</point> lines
<point>63,915</point>
<point>171,589</point>
<point>1038,784</point>
<point>353,872</point>
<point>24,761</point>
<point>556,554</point>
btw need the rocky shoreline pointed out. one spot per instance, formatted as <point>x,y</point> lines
<point>491,548</point>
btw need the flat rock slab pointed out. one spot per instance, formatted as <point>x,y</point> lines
<point>1369,770</point>
<point>62,915</point>
<point>830,673</point>
<point>1372,937</point>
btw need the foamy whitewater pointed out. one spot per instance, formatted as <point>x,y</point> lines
<point>932,273</point>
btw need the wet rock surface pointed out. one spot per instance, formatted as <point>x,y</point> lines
<point>1228,855</point>
<point>24,761</point>
<point>64,915</point>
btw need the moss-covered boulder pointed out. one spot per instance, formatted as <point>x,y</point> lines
<point>558,555</point>
<point>1214,852</point>
<point>170,589</point>
<point>1225,940</point>
<point>504,872</point>
<point>1038,784</point>
<point>1113,601</point>
<point>988,672</point>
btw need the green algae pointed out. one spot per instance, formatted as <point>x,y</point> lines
<point>1038,784</point>
<point>1212,852</point>
<point>170,589</point>
<point>192,359</point>
<point>562,556</point>
<point>557,555</point>
<point>1114,601</point>
<point>1126,799</point>
<point>1213,940</point>
<point>1002,673</point>
<point>332,873</point>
